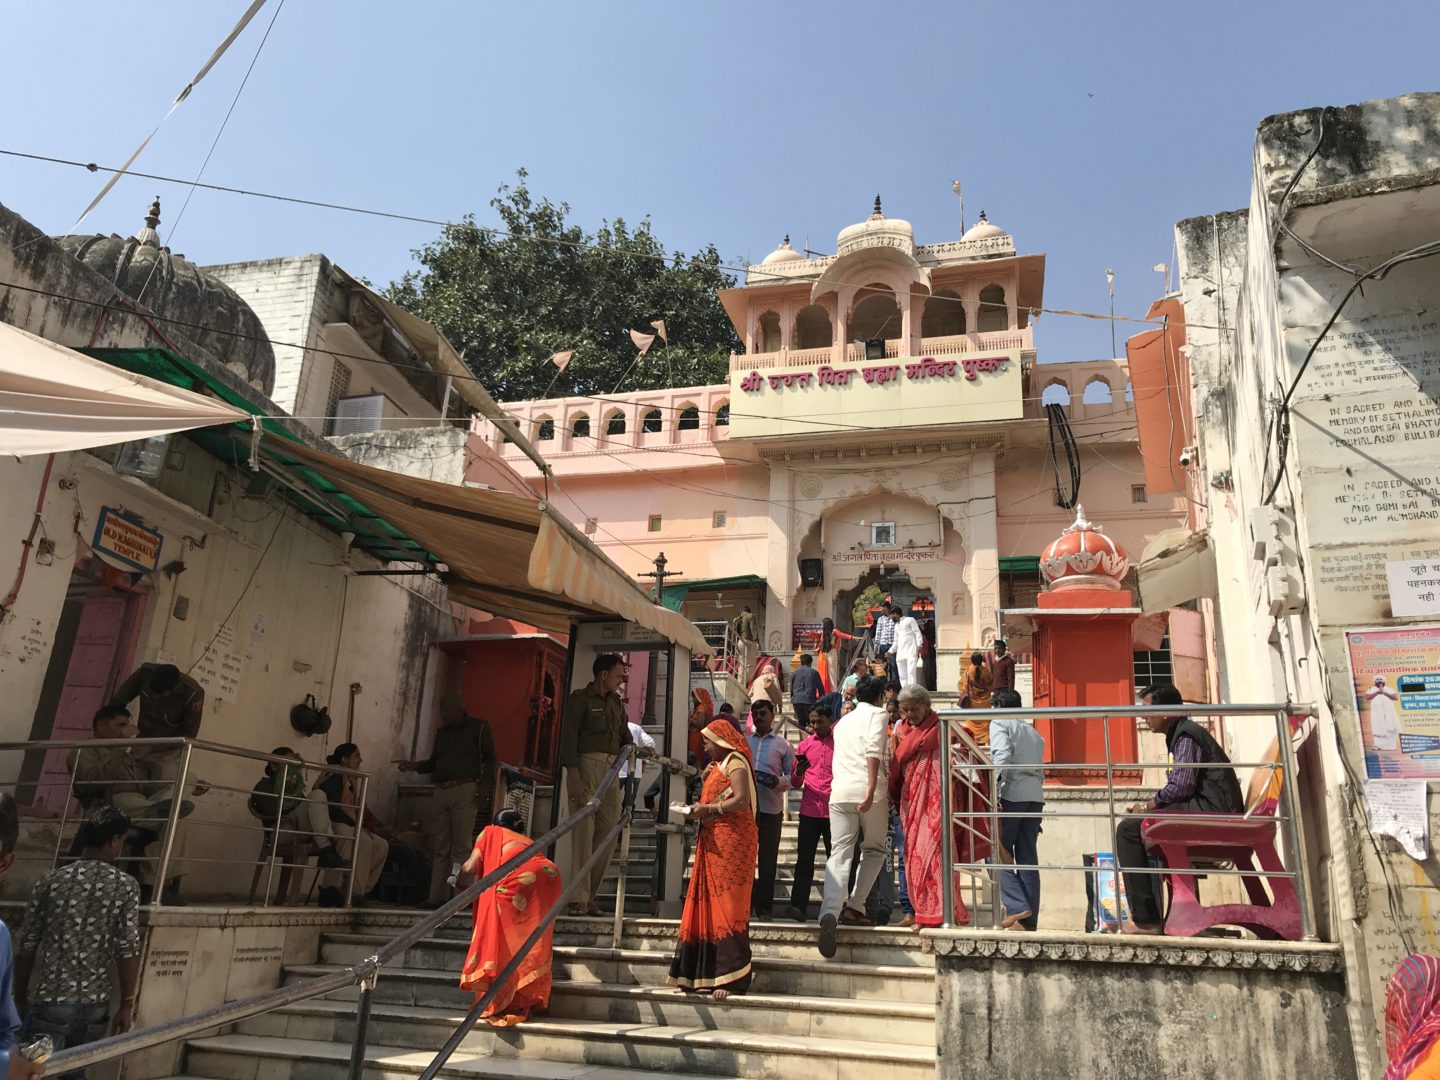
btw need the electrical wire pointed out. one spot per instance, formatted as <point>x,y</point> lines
<point>244,591</point>
<point>751,271</point>
<point>1059,426</point>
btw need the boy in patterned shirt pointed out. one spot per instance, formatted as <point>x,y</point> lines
<point>82,918</point>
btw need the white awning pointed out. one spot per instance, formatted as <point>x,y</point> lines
<point>54,399</point>
<point>1177,566</point>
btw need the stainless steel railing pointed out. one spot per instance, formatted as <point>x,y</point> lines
<point>967,766</point>
<point>181,786</point>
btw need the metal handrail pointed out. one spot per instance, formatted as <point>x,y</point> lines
<point>364,973</point>
<point>1287,815</point>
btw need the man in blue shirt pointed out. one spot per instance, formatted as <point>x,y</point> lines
<point>774,762</point>
<point>15,1065</point>
<point>805,690</point>
<point>1017,751</point>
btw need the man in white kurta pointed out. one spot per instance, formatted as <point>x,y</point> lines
<point>907,647</point>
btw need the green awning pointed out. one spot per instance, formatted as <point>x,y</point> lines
<point>303,487</point>
<point>675,594</point>
<point>1020,564</point>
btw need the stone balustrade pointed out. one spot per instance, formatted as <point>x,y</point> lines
<point>854,352</point>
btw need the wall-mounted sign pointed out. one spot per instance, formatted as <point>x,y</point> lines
<point>889,555</point>
<point>900,392</point>
<point>125,542</point>
<point>1396,674</point>
<point>1414,587</point>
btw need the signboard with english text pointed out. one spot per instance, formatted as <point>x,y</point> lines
<point>126,543</point>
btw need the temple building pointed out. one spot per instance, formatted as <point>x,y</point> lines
<point>889,423</point>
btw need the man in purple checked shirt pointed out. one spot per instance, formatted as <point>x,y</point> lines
<point>1212,788</point>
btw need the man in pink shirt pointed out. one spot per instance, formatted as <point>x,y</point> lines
<point>811,778</point>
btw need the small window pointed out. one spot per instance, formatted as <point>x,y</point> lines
<point>616,424</point>
<point>651,424</point>
<point>1138,494</point>
<point>719,519</point>
<point>591,524</point>
<point>545,431</point>
<point>722,415</point>
<point>689,419</point>
<point>654,522</point>
<point>882,534</point>
<point>580,429</point>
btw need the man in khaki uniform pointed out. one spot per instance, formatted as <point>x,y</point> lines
<point>592,734</point>
<point>462,768</point>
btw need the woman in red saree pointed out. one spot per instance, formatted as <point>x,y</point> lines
<point>505,915</point>
<point>915,789</point>
<point>1412,1019</point>
<point>713,953</point>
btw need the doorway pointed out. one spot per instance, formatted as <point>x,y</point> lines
<point>94,649</point>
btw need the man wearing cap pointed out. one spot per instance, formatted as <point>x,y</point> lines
<point>462,768</point>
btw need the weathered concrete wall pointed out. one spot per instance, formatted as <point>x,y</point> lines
<point>1023,1006</point>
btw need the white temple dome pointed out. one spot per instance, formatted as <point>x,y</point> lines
<point>783,254</point>
<point>877,231</point>
<point>983,229</point>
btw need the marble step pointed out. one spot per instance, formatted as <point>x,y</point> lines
<point>546,1044</point>
<point>813,976</point>
<point>906,1023</point>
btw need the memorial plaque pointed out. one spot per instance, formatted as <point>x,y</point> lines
<point>1353,429</point>
<point>1373,504</point>
<point>1395,352</point>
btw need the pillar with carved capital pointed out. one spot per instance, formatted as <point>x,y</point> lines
<point>983,554</point>
<point>781,571</point>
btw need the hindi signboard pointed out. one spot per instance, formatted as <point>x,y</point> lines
<point>126,542</point>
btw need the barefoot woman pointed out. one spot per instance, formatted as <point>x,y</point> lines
<point>713,955</point>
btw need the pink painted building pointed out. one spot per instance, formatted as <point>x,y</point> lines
<point>886,424</point>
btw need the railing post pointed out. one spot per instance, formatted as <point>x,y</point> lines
<point>64,817</point>
<point>362,1023</point>
<point>1110,807</point>
<point>172,826</point>
<point>996,907</point>
<point>1289,777</point>
<point>627,807</point>
<point>947,827</point>
<point>355,845</point>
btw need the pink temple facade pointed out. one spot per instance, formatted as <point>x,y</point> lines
<point>925,469</point>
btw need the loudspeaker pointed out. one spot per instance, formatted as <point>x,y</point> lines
<point>812,573</point>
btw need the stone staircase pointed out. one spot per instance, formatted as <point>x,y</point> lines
<point>869,1011</point>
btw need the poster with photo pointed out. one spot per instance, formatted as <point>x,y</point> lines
<point>1395,672</point>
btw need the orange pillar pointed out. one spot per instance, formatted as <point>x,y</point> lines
<point>1083,655</point>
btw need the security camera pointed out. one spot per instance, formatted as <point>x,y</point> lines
<point>1189,456</point>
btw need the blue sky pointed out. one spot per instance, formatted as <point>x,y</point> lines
<point>1085,129</point>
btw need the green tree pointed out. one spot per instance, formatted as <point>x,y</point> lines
<point>869,597</point>
<point>510,297</point>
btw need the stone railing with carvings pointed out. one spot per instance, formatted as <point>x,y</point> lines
<point>1177,952</point>
<point>957,250</point>
<point>854,352</point>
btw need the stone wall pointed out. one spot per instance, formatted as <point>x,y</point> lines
<point>1040,1006</point>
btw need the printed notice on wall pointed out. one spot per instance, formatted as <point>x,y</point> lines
<point>220,669</point>
<point>1396,675</point>
<point>1414,587</point>
<point>1396,809</point>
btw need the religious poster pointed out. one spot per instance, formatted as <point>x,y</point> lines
<point>1396,675</point>
<point>806,636</point>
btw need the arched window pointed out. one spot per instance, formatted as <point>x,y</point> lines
<point>651,422</point>
<point>813,329</point>
<point>994,314</point>
<point>689,419</point>
<point>767,332</point>
<point>1097,392</point>
<point>722,415</point>
<point>944,315</point>
<point>580,427</point>
<point>1057,393</point>
<point>875,315</point>
<point>615,423</point>
<point>544,429</point>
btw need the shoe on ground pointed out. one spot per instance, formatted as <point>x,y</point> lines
<point>851,917</point>
<point>330,858</point>
<point>765,915</point>
<point>907,922</point>
<point>794,914</point>
<point>828,942</point>
<point>331,897</point>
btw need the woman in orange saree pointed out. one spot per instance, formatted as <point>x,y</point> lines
<point>713,953</point>
<point>505,915</point>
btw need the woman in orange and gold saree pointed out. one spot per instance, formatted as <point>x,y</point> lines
<point>713,953</point>
<point>505,915</point>
<point>915,778</point>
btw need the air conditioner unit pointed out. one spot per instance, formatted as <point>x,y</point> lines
<point>354,415</point>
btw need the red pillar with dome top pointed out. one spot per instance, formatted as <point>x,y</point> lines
<point>1083,650</point>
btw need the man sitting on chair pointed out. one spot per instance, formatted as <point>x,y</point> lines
<point>1201,781</point>
<point>282,799</point>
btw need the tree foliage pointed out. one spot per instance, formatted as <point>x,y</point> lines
<point>510,297</point>
<point>870,596</point>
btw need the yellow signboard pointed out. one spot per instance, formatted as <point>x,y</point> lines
<point>891,393</point>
